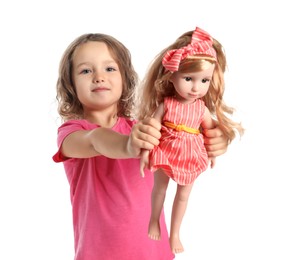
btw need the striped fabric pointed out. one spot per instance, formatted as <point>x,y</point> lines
<point>201,44</point>
<point>180,154</point>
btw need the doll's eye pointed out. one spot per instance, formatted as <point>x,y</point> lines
<point>110,69</point>
<point>205,80</point>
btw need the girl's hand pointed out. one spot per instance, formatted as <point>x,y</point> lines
<point>145,135</point>
<point>215,142</point>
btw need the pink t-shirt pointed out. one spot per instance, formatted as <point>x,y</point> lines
<point>111,204</point>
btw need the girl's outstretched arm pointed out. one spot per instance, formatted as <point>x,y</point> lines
<point>105,141</point>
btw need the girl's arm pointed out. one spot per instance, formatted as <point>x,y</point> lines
<point>144,161</point>
<point>105,141</point>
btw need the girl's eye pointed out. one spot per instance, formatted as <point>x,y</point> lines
<point>85,71</point>
<point>205,80</point>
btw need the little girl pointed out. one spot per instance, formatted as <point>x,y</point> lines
<point>183,89</point>
<point>100,145</point>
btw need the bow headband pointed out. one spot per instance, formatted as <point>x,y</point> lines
<point>201,44</point>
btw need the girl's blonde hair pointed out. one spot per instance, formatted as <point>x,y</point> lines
<point>156,85</point>
<point>69,106</point>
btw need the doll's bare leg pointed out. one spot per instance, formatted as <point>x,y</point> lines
<point>178,211</point>
<point>161,181</point>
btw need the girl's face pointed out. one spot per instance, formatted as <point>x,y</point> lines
<point>193,85</point>
<point>96,77</point>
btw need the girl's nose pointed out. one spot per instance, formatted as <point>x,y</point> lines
<point>98,77</point>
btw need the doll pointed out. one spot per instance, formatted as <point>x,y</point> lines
<point>183,89</point>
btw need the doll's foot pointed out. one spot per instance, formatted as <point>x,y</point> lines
<point>176,245</point>
<point>154,230</point>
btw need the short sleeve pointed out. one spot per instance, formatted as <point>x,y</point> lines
<point>63,131</point>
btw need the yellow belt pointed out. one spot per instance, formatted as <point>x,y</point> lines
<point>182,128</point>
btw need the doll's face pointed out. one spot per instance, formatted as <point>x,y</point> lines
<point>193,85</point>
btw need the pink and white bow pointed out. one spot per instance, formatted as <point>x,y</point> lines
<point>201,44</point>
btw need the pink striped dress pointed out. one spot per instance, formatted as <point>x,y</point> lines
<point>180,154</point>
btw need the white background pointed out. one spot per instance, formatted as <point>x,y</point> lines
<point>243,209</point>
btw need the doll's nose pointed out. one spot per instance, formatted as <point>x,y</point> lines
<point>195,88</point>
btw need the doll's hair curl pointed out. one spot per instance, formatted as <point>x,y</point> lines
<point>69,106</point>
<point>156,85</point>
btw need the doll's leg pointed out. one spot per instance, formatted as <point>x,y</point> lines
<point>178,211</point>
<point>161,181</point>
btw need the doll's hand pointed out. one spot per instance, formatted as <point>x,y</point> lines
<point>144,161</point>
<point>212,162</point>
<point>215,142</point>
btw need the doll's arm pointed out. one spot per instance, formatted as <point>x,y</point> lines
<point>144,160</point>
<point>207,124</point>
<point>158,115</point>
